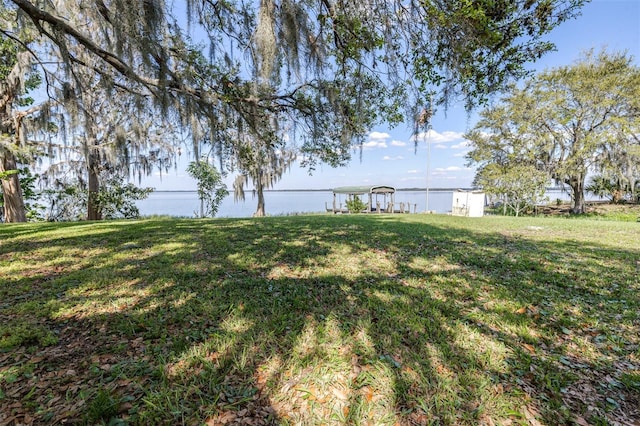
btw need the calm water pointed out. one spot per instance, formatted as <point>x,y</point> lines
<point>279,203</point>
<point>186,203</point>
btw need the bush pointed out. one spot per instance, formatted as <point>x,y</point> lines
<point>34,210</point>
<point>117,199</point>
<point>211,189</point>
<point>67,200</point>
<point>611,187</point>
<point>355,205</point>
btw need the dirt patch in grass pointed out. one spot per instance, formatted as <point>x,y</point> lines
<point>602,209</point>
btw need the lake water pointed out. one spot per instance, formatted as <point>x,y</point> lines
<point>186,203</point>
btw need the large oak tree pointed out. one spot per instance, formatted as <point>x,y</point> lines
<point>17,77</point>
<point>324,70</point>
<point>567,121</point>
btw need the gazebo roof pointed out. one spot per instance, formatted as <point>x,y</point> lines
<point>357,190</point>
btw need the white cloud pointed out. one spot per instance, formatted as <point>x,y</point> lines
<point>449,169</point>
<point>449,136</point>
<point>460,154</point>
<point>461,145</point>
<point>387,158</point>
<point>435,137</point>
<point>377,140</point>
<point>398,143</point>
<point>412,172</point>
<point>379,135</point>
<point>440,146</point>
<point>374,144</point>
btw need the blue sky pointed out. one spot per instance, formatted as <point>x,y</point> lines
<point>388,157</point>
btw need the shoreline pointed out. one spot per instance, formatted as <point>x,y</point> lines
<point>321,190</point>
<point>550,189</point>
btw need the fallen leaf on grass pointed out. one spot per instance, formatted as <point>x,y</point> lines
<point>530,416</point>
<point>488,421</point>
<point>420,419</point>
<point>125,407</point>
<point>340,394</point>
<point>580,421</point>
<point>52,401</point>
<point>221,419</point>
<point>369,395</point>
<point>213,356</point>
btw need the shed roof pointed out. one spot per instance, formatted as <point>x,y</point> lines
<point>357,190</point>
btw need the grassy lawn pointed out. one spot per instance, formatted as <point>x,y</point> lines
<point>380,320</point>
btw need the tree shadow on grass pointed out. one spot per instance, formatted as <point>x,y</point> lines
<point>307,320</point>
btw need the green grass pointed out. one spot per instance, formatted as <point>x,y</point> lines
<point>353,319</point>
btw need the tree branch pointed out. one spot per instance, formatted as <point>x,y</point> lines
<point>39,16</point>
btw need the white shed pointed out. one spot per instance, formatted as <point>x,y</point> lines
<point>468,203</point>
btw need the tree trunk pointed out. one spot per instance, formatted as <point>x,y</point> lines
<point>260,210</point>
<point>577,189</point>
<point>632,187</point>
<point>93,209</point>
<point>14,209</point>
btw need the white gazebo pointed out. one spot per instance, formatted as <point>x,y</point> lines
<point>376,201</point>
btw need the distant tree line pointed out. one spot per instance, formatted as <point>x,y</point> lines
<point>123,88</point>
